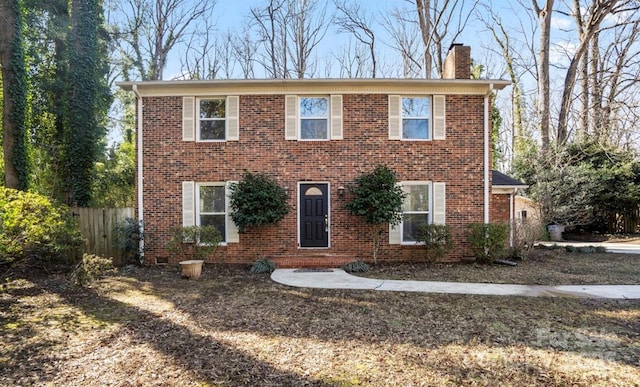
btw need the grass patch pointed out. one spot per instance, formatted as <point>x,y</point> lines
<point>149,327</point>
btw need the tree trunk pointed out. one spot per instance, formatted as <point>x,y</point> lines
<point>14,96</point>
<point>544,15</point>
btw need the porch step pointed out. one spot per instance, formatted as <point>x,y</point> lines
<point>312,261</point>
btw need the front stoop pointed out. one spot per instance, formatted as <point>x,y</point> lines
<point>312,261</point>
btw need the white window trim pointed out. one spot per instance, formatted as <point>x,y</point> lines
<point>327,118</point>
<point>429,213</point>
<point>226,206</point>
<point>429,119</point>
<point>198,119</point>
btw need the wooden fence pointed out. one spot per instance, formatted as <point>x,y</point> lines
<point>97,225</point>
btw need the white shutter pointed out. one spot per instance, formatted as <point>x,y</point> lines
<point>336,117</point>
<point>188,203</point>
<point>291,117</point>
<point>232,229</point>
<point>439,113</point>
<point>188,119</point>
<point>395,117</point>
<point>439,203</point>
<point>232,118</point>
<point>395,234</point>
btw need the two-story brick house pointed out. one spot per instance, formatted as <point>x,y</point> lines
<point>315,136</point>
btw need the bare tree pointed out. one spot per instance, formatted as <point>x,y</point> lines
<point>151,29</point>
<point>352,19</point>
<point>308,27</point>
<point>544,14</point>
<point>405,39</point>
<point>353,60</point>
<point>595,13</point>
<point>201,59</point>
<point>441,23</point>
<point>271,24</point>
<point>244,53</point>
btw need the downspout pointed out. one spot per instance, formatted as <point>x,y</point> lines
<point>512,219</point>
<point>486,155</point>
<point>139,162</point>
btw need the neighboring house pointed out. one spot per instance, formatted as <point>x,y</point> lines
<point>315,136</point>
<point>526,210</point>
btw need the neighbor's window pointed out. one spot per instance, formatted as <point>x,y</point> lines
<point>415,210</point>
<point>314,118</point>
<point>416,118</point>
<point>211,119</point>
<point>212,207</point>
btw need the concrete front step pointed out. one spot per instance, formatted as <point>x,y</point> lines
<point>312,261</point>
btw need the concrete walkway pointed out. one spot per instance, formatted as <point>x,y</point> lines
<point>339,279</point>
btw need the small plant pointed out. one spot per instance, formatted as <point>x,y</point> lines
<point>525,235</point>
<point>488,241</point>
<point>356,267</point>
<point>437,240</point>
<point>262,266</point>
<point>194,242</point>
<point>128,236</point>
<point>90,268</point>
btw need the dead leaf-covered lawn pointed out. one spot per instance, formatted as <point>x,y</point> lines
<point>150,327</point>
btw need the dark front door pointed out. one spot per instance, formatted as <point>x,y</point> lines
<point>314,215</point>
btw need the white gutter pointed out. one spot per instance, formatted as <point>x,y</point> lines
<point>487,167</point>
<point>139,162</point>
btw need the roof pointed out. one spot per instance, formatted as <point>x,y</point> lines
<point>319,85</point>
<point>501,180</point>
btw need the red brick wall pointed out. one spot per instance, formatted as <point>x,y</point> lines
<point>168,161</point>
<point>500,208</point>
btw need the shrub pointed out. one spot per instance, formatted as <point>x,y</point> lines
<point>525,234</point>
<point>194,242</point>
<point>377,199</point>
<point>437,240</point>
<point>257,200</point>
<point>90,268</point>
<point>488,241</point>
<point>262,266</point>
<point>31,227</point>
<point>356,267</point>
<point>128,236</point>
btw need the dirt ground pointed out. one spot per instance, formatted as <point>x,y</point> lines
<point>147,326</point>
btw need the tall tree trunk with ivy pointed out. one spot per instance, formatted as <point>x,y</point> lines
<point>14,87</point>
<point>86,99</point>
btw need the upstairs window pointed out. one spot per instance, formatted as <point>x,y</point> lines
<point>314,118</point>
<point>212,119</point>
<point>416,118</point>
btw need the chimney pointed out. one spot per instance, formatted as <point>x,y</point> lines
<point>457,64</point>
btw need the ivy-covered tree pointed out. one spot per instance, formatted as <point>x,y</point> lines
<point>377,199</point>
<point>87,99</point>
<point>14,88</point>
<point>257,200</point>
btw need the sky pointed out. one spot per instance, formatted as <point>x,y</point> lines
<point>232,15</point>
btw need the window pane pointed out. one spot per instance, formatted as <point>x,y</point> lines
<point>212,130</point>
<point>410,225</point>
<point>212,198</point>
<point>313,129</point>
<point>416,107</point>
<point>417,198</point>
<point>214,220</point>
<point>415,129</point>
<point>314,107</point>
<point>212,108</point>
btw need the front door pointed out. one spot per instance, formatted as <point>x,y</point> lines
<point>314,215</point>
